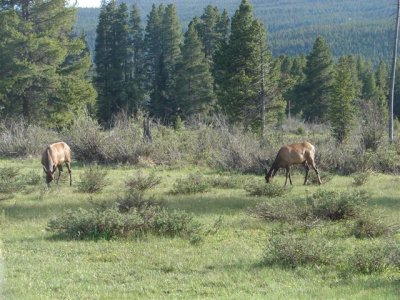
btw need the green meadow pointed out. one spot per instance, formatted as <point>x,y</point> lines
<point>227,263</point>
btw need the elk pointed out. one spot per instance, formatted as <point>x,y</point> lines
<point>294,154</point>
<point>53,157</point>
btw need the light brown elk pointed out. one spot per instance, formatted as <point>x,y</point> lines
<point>53,158</point>
<point>294,154</point>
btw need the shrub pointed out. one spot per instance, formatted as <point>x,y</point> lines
<point>292,250</point>
<point>125,142</point>
<point>262,189</point>
<point>370,257</point>
<point>97,223</point>
<point>176,223</point>
<point>141,182</point>
<point>93,180</point>
<point>87,140</point>
<point>9,180</point>
<point>32,178</point>
<point>134,199</point>
<point>325,177</point>
<point>132,216</point>
<point>334,205</point>
<point>193,183</point>
<point>225,182</point>
<point>366,227</point>
<point>235,149</point>
<point>17,138</point>
<point>394,257</point>
<point>282,211</point>
<point>360,179</point>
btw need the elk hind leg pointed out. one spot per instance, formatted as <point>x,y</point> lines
<point>306,166</point>
<point>68,164</point>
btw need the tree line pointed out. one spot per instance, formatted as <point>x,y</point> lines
<point>350,27</point>
<point>220,64</point>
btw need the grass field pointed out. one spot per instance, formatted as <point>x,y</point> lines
<point>226,264</point>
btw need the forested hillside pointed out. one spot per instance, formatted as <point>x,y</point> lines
<point>350,27</point>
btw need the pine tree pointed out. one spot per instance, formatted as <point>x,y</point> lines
<point>382,84</point>
<point>374,115</point>
<point>245,70</point>
<point>113,60</point>
<point>212,28</point>
<point>222,27</point>
<point>76,95</point>
<point>292,78</point>
<point>237,69</point>
<point>121,60</point>
<point>40,59</point>
<point>194,86</point>
<point>341,110</point>
<point>162,102</point>
<point>103,49</point>
<point>136,89</point>
<point>152,57</point>
<point>315,93</point>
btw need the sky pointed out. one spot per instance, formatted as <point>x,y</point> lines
<point>89,3</point>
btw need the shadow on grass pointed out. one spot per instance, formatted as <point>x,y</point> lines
<point>386,202</point>
<point>41,206</point>
<point>207,204</point>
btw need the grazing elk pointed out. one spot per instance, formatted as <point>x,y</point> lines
<point>294,154</point>
<point>53,157</point>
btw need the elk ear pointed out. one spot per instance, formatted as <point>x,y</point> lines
<point>44,170</point>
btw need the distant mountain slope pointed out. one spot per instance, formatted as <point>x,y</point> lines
<point>350,26</point>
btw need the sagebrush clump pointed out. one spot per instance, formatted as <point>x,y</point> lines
<point>142,182</point>
<point>334,205</point>
<point>130,215</point>
<point>93,180</point>
<point>191,184</point>
<point>269,190</point>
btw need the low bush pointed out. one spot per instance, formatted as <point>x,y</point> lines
<point>370,257</point>
<point>93,180</point>
<point>87,140</point>
<point>394,256</point>
<point>97,223</point>
<point>141,182</point>
<point>325,177</point>
<point>131,215</point>
<point>193,183</point>
<point>225,182</point>
<point>134,199</point>
<point>266,189</point>
<point>322,205</point>
<point>281,211</point>
<point>176,223</point>
<point>334,205</point>
<point>17,138</point>
<point>8,180</point>
<point>32,178</point>
<point>291,249</point>
<point>366,227</point>
<point>360,178</point>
